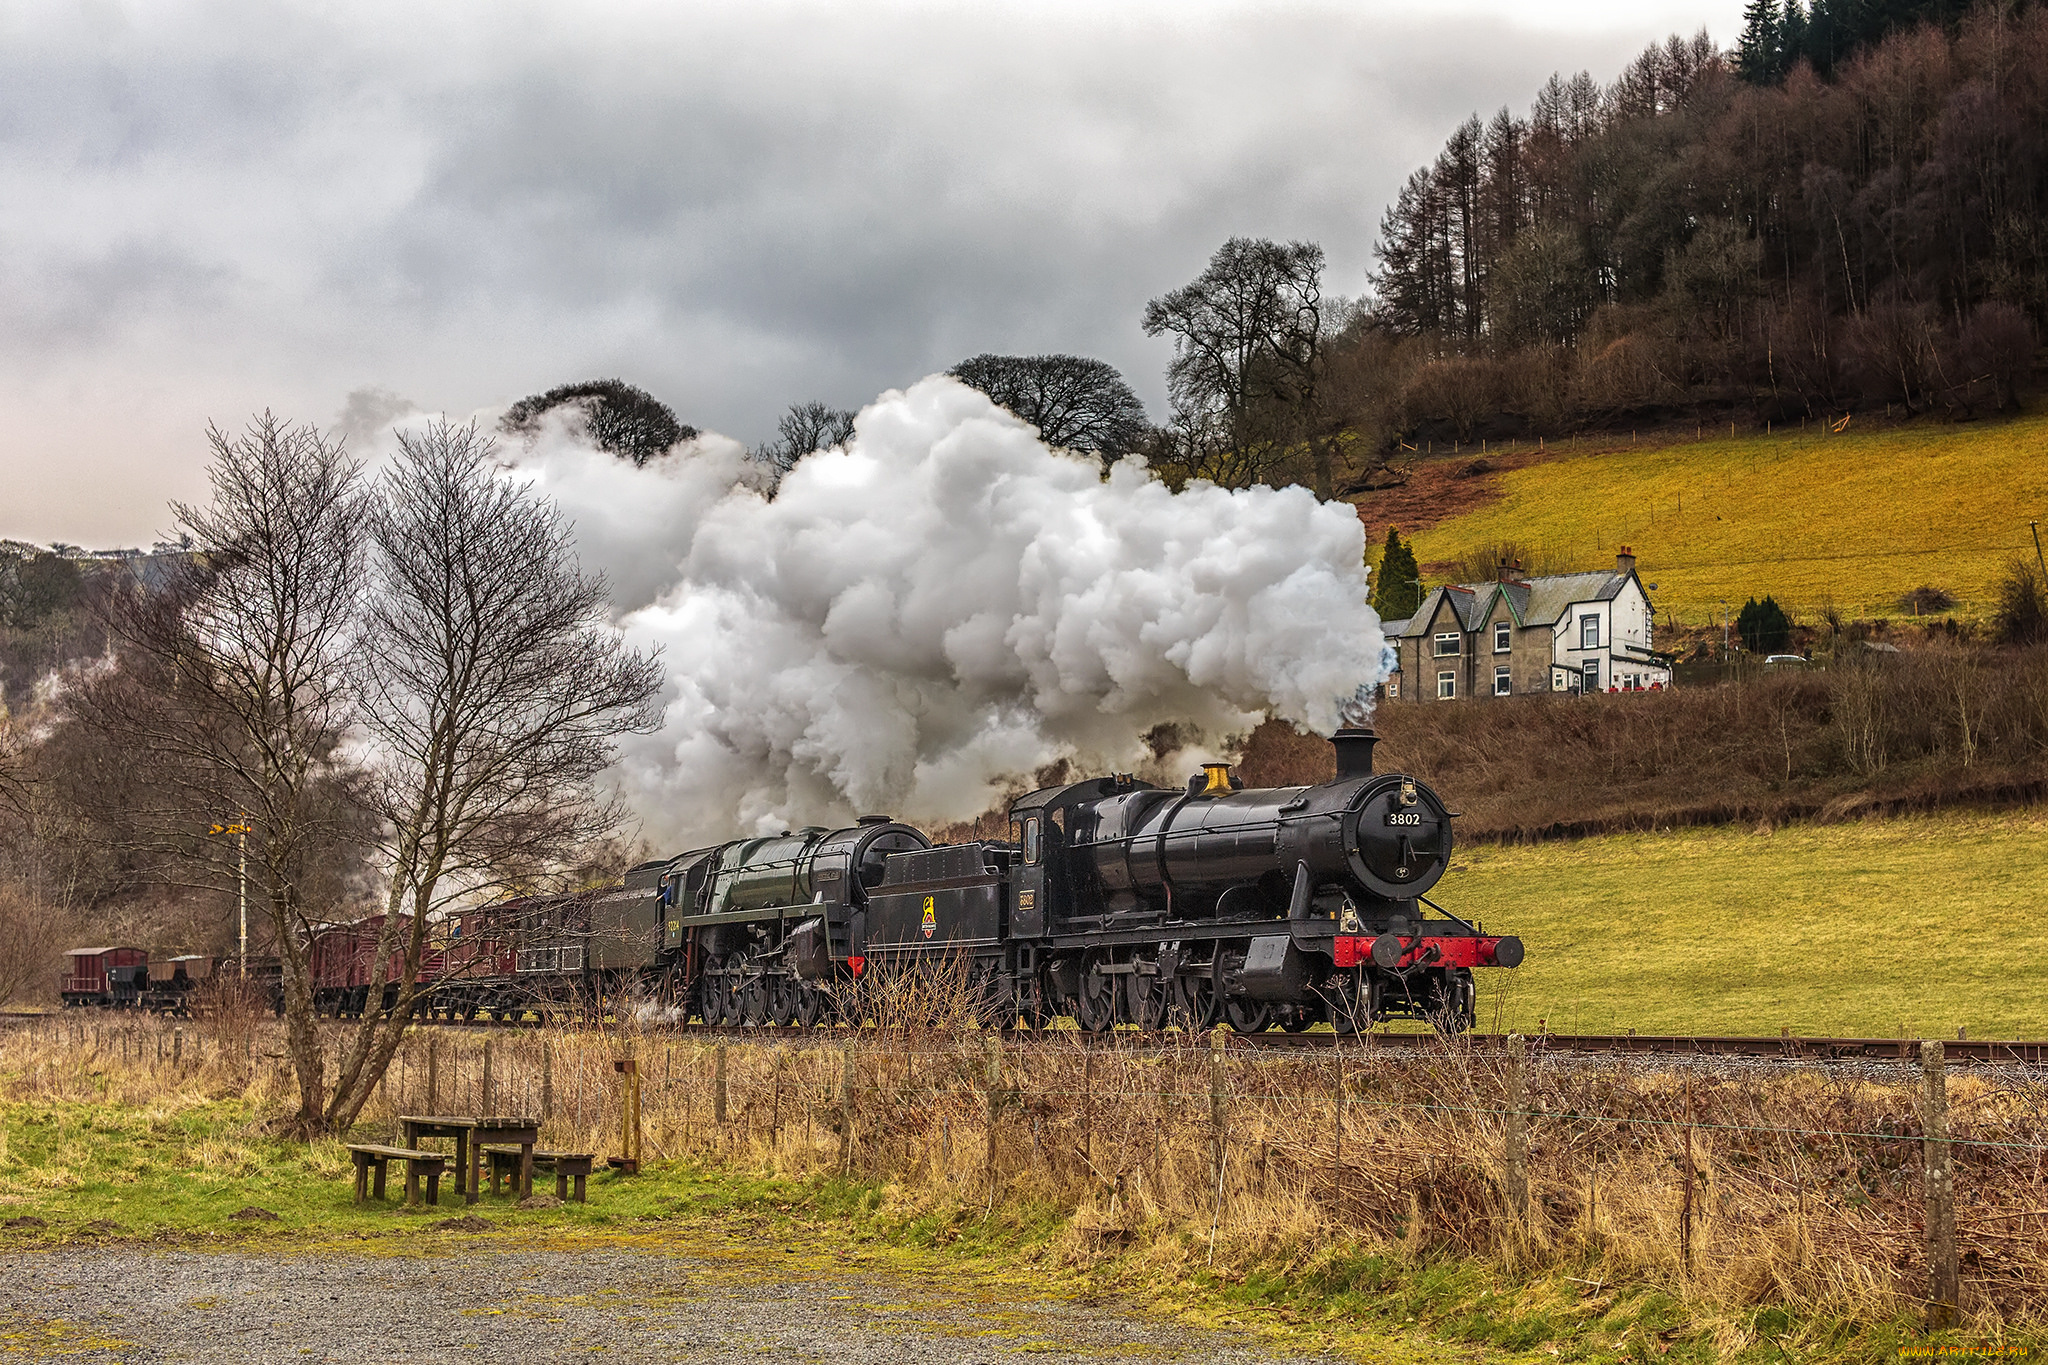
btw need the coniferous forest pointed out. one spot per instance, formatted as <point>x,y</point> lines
<point>1850,208</point>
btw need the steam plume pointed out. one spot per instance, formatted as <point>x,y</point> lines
<point>945,604</point>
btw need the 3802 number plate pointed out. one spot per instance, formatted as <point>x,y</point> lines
<point>1404,817</point>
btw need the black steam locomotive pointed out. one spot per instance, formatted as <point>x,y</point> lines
<point>1112,902</point>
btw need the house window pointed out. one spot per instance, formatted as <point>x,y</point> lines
<point>1394,685</point>
<point>1503,637</point>
<point>1589,632</point>
<point>1446,686</point>
<point>1448,644</point>
<point>1592,683</point>
<point>1501,685</point>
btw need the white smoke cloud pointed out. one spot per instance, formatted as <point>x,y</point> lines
<point>946,603</point>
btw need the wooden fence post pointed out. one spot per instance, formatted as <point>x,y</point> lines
<point>1517,1153</point>
<point>718,1084</point>
<point>486,1097</point>
<point>433,1074</point>
<point>547,1080</point>
<point>1943,1274</point>
<point>629,1115</point>
<point>1685,1203</point>
<point>177,1046</point>
<point>846,1111</point>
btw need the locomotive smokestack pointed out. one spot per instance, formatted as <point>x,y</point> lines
<point>1354,751</point>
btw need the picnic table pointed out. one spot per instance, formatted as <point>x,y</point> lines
<point>470,1135</point>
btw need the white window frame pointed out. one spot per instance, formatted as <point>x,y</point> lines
<point>1394,684</point>
<point>1503,637</point>
<point>1589,626</point>
<point>1446,686</point>
<point>1503,684</point>
<point>1455,639</point>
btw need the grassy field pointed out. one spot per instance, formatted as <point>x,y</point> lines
<point>1857,519</point>
<point>1855,929</point>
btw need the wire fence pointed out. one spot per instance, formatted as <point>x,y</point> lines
<point>1823,1186</point>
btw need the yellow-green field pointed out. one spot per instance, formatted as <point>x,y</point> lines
<point>1932,923</point>
<point>1857,519</point>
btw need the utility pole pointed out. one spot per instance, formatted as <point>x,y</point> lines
<point>2035,527</point>
<point>240,829</point>
<point>1724,630</point>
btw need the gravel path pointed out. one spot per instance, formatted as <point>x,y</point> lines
<point>715,1298</point>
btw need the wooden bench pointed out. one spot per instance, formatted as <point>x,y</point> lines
<point>369,1156</point>
<point>567,1166</point>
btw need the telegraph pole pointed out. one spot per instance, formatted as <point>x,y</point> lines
<point>2035,527</point>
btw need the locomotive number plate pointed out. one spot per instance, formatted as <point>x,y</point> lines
<point>1404,817</point>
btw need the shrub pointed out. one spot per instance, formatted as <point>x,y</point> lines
<point>1763,626</point>
<point>2022,615</point>
<point>1925,601</point>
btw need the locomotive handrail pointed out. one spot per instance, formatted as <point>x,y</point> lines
<point>1470,927</point>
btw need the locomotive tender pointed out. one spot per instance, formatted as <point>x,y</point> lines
<point>1112,902</point>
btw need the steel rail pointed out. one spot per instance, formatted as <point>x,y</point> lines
<point>1956,1051</point>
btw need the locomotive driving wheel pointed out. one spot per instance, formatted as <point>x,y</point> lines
<point>752,996</point>
<point>1194,1003</point>
<point>785,1000</point>
<point>1095,1006</point>
<point>1145,1001</point>
<point>716,997</point>
<point>1244,1016</point>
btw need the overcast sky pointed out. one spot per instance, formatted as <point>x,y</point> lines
<point>337,209</point>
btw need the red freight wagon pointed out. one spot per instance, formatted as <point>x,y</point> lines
<point>344,960</point>
<point>109,977</point>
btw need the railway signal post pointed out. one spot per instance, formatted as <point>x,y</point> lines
<point>239,827</point>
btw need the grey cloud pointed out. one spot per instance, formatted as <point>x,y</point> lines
<point>734,207</point>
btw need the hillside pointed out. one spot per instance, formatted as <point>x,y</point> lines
<point>1855,519</point>
<point>1729,931</point>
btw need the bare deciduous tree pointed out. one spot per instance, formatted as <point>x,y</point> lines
<point>493,695</point>
<point>1075,402</point>
<point>28,942</point>
<point>1247,355</point>
<point>231,688</point>
<point>803,430</point>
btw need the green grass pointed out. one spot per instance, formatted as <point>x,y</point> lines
<point>1857,519</point>
<point>1934,922</point>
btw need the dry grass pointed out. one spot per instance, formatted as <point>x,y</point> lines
<point>1807,1189</point>
<point>1921,730</point>
<point>1856,519</point>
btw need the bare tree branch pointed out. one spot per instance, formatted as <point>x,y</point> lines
<point>230,687</point>
<point>493,698</point>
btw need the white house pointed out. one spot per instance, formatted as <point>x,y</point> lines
<point>1580,632</point>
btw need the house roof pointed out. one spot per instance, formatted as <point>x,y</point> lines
<point>1533,601</point>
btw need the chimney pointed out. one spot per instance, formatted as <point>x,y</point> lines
<point>1354,751</point>
<point>1625,562</point>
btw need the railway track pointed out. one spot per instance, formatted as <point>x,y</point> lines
<point>1956,1051</point>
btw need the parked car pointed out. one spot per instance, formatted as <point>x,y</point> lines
<point>1777,661</point>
